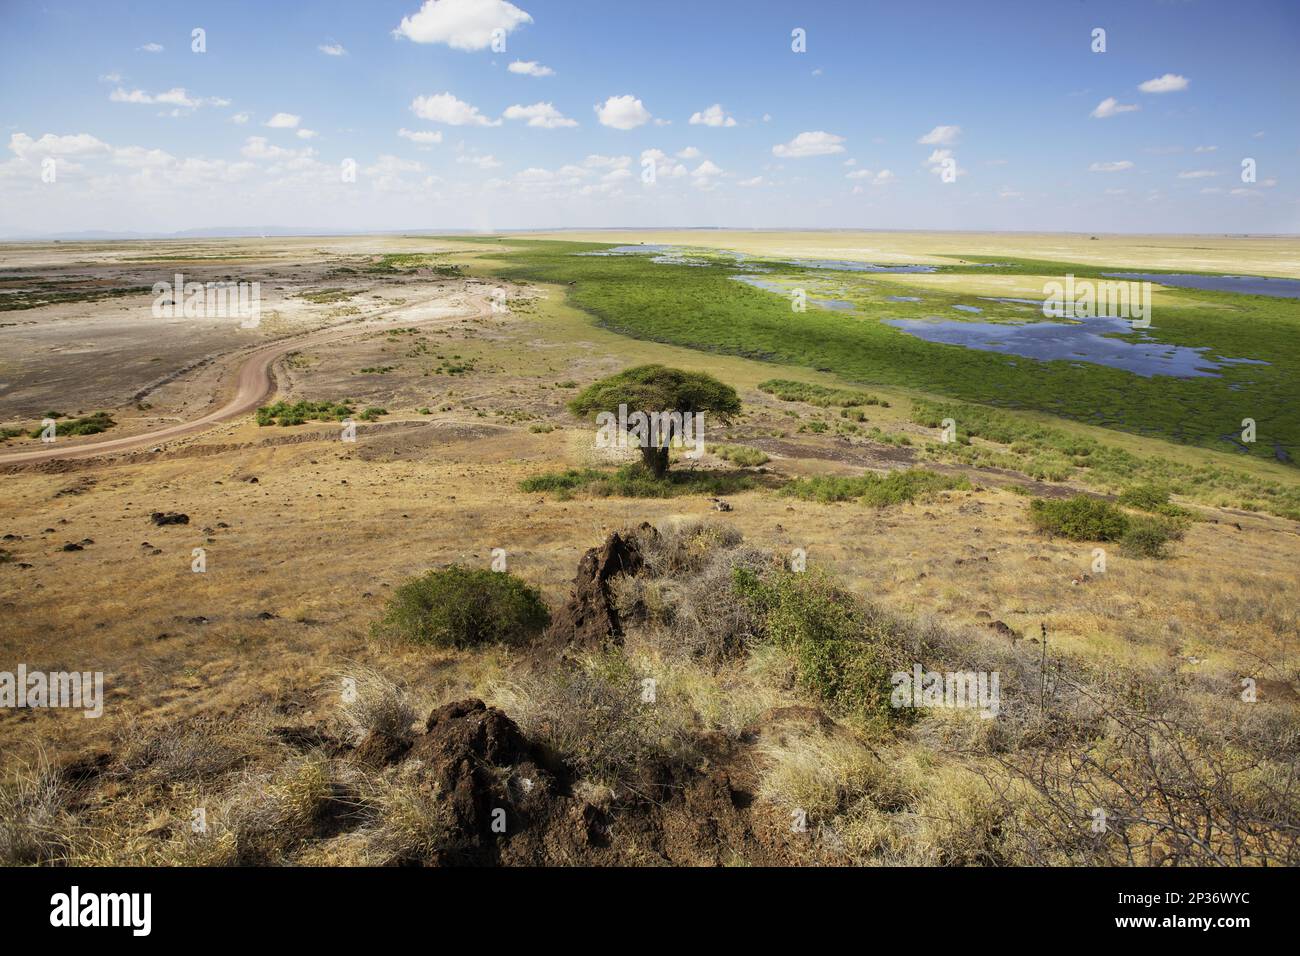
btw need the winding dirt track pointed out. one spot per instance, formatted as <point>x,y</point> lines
<point>254,382</point>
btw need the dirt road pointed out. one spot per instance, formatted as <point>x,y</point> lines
<point>254,382</point>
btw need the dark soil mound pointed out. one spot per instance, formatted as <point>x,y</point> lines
<point>588,619</point>
<point>512,804</point>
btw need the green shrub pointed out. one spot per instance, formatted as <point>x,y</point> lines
<point>743,455</point>
<point>463,607</point>
<point>1152,498</point>
<point>840,656</point>
<point>297,413</point>
<point>1080,518</point>
<point>790,391</point>
<point>894,488</point>
<point>637,481</point>
<point>1147,536</point>
<point>89,425</point>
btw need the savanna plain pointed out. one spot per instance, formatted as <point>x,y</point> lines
<point>472,636</point>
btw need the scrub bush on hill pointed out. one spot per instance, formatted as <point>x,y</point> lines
<point>1079,518</point>
<point>464,607</point>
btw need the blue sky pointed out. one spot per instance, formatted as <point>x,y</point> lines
<point>1035,129</point>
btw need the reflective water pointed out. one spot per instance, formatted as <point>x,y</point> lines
<point>1088,340</point>
<point>1247,285</point>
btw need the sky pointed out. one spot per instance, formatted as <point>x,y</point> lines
<point>344,115</point>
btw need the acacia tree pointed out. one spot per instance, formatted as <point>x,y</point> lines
<point>656,390</point>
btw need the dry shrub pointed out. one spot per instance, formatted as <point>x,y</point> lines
<point>685,591</point>
<point>196,750</point>
<point>596,717</point>
<point>375,704</point>
<point>35,825</point>
<point>409,822</point>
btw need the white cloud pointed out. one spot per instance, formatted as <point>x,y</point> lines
<point>306,134</point>
<point>1197,174</point>
<point>877,179</point>
<point>486,161</point>
<point>1169,83</point>
<point>596,161</point>
<point>461,24</point>
<point>706,169</point>
<point>239,119</point>
<point>622,112</point>
<point>712,116</point>
<point>138,157</point>
<point>173,97</point>
<point>445,108</point>
<point>152,48</point>
<point>530,68</point>
<point>815,143</point>
<point>1110,107</point>
<point>1115,167</point>
<point>756,181</point>
<point>258,147</point>
<point>690,152</point>
<point>283,121</point>
<point>665,168</point>
<point>543,115</point>
<point>941,136</point>
<point>111,78</point>
<point>421,136</point>
<point>1205,149</point>
<point>332,49</point>
<point>939,160</point>
<point>76,144</point>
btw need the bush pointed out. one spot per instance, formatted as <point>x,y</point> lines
<point>297,413</point>
<point>1152,498</point>
<point>89,425</point>
<point>1146,536</point>
<point>743,455</point>
<point>839,655</point>
<point>637,481</point>
<point>894,488</point>
<point>463,607</point>
<point>1080,518</point>
<point>790,391</point>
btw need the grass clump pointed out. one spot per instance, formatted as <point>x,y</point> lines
<point>1080,518</point>
<point>297,413</point>
<point>464,607</point>
<point>790,391</point>
<point>743,455</point>
<point>897,487</point>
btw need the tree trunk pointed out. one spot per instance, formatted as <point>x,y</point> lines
<point>656,459</point>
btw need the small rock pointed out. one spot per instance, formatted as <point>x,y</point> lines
<point>169,517</point>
